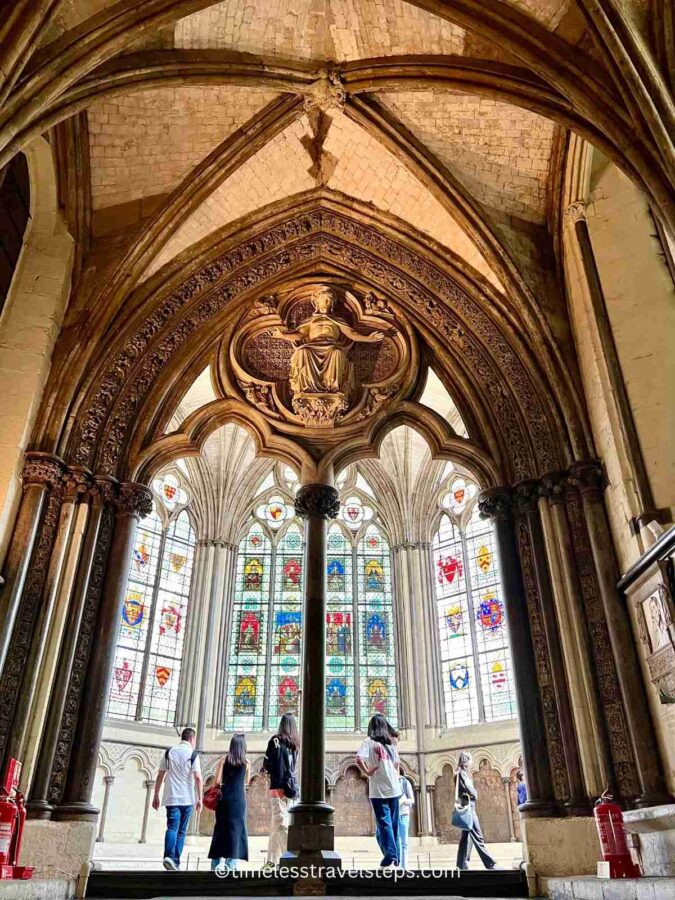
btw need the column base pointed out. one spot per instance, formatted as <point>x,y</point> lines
<point>311,833</point>
<point>579,806</point>
<point>76,812</point>
<point>39,809</point>
<point>57,849</point>
<point>542,809</point>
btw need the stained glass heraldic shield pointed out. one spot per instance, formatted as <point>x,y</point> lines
<point>475,656</point>
<point>149,654</point>
<point>264,671</point>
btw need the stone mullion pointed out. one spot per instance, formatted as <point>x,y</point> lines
<point>65,678</point>
<point>404,638</point>
<point>269,638</point>
<point>222,627</point>
<point>433,639</point>
<point>132,503</point>
<point>186,714</point>
<point>472,627</point>
<point>154,612</point>
<point>496,504</point>
<point>13,687</point>
<point>224,666</point>
<point>643,756</point>
<point>356,630</point>
<point>563,745</point>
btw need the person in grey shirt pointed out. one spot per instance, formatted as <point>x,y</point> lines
<point>181,775</point>
<point>467,794</point>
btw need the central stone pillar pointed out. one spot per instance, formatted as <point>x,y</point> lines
<point>311,835</point>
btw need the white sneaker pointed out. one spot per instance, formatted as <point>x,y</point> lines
<point>170,865</point>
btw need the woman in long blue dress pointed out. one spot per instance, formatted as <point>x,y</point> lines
<point>230,839</point>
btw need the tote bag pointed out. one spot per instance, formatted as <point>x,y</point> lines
<point>462,816</point>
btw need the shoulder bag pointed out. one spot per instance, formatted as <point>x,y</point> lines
<point>462,816</point>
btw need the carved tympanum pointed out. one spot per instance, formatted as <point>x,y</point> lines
<point>321,357</point>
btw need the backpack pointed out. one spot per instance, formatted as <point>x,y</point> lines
<point>195,754</point>
<point>290,781</point>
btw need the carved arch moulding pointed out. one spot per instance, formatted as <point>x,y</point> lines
<point>116,416</point>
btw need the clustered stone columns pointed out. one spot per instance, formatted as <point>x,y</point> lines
<point>132,502</point>
<point>580,546</point>
<point>497,504</point>
<point>311,837</point>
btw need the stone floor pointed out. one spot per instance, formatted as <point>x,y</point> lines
<point>591,888</point>
<point>355,852</point>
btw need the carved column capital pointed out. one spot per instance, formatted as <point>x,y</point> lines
<point>496,503</point>
<point>588,476</point>
<point>526,495</point>
<point>317,500</point>
<point>133,499</point>
<point>575,212</point>
<point>431,789</point>
<point>42,468</point>
<point>104,487</point>
<point>77,481</point>
<point>110,779</point>
<point>554,486</point>
<point>506,779</point>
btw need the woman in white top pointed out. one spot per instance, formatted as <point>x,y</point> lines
<point>378,760</point>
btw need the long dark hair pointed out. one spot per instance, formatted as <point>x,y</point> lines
<point>288,732</point>
<point>380,730</point>
<point>236,755</point>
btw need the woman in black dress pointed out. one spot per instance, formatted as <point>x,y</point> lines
<point>230,840</point>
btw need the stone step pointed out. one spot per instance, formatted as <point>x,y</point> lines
<point>588,887</point>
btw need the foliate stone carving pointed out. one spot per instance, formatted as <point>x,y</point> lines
<point>496,503</point>
<point>134,499</point>
<point>526,495</point>
<point>30,603</point>
<point>608,687</point>
<point>105,488</point>
<point>77,481</point>
<point>316,359</point>
<point>554,486</point>
<point>588,476</point>
<point>83,648</point>
<point>542,661</point>
<point>42,468</point>
<point>317,500</point>
<point>101,435</point>
<point>575,212</point>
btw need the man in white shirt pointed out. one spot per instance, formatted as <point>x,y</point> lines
<point>181,774</point>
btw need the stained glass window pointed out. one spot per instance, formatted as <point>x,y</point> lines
<point>265,668</point>
<point>149,653</point>
<point>475,657</point>
<point>377,666</point>
<point>245,705</point>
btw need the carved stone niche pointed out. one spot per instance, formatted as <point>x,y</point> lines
<point>319,356</point>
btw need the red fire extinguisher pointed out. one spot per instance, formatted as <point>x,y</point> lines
<point>612,834</point>
<point>8,822</point>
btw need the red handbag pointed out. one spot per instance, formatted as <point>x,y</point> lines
<point>212,798</point>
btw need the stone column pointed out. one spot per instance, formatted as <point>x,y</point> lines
<point>48,625</point>
<point>527,499</point>
<point>431,790</point>
<point>187,705</point>
<point>108,781</point>
<point>134,501</point>
<point>40,470</point>
<point>38,804</point>
<point>591,727</point>
<point>405,658</point>
<point>496,504</point>
<point>588,478</point>
<point>149,785</point>
<point>215,594</point>
<point>311,835</point>
<point>506,781</point>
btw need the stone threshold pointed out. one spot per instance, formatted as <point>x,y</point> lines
<point>588,887</point>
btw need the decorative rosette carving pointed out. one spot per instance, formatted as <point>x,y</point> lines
<point>496,503</point>
<point>134,499</point>
<point>587,476</point>
<point>42,468</point>
<point>317,500</point>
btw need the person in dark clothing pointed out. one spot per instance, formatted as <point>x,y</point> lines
<point>230,840</point>
<point>280,763</point>
<point>467,794</point>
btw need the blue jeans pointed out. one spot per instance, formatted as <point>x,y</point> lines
<point>386,814</point>
<point>403,826</point>
<point>177,819</point>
